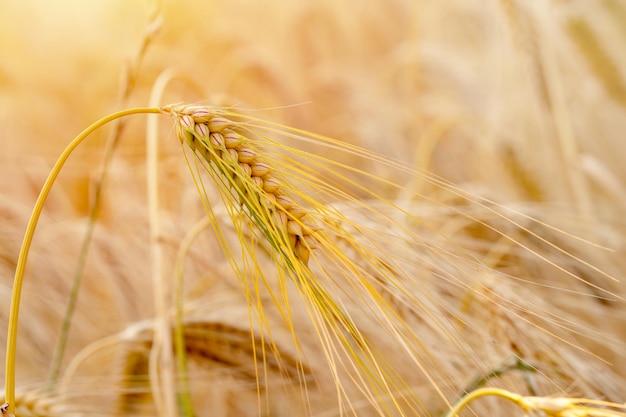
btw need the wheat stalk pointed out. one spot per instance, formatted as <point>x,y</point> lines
<point>545,406</point>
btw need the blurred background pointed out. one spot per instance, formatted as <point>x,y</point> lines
<point>523,102</point>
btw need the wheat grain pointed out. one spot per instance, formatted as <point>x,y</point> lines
<point>245,171</point>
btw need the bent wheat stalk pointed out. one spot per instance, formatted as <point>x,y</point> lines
<point>28,238</point>
<point>281,220</point>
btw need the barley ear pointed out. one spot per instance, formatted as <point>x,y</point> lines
<point>246,174</point>
<point>249,175</point>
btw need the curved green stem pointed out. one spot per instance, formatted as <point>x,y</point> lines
<point>28,238</point>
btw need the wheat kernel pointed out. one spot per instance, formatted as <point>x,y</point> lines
<point>310,224</point>
<point>302,252</point>
<point>270,184</point>
<point>247,169</point>
<point>268,200</point>
<point>258,181</point>
<point>202,130</point>
<point>232,140</point>
<point>185,135</point>
<point>294,228</point>
<point>217,124</point>
<point>310,241</point>
<point>201,115</point>
<point>281,219</point>
<point>297,212</point>
<point>293,239</point>
<point>260,169</point>
<point>284,202</point>
<point>232,154</point>
<point>246,155</point>
<point>187,122</point>
<point>217,140</point>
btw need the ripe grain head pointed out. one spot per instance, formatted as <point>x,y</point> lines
<point>247,173</point>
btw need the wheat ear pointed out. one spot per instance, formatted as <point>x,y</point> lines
<point>245,173</point>
<point>249,176</point>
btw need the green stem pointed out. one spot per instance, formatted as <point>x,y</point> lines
<point>28,238</point>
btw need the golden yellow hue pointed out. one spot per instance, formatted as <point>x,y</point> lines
<point>355,208</point>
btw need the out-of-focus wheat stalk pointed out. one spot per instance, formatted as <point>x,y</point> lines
<point>129,81</point>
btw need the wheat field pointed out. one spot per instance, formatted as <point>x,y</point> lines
<point>376,208</point>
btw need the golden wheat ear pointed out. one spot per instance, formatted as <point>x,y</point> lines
<point>238,164</point>
<point>253,182</point>
<point>245,175</point>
